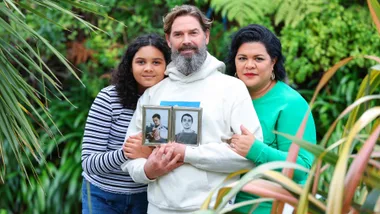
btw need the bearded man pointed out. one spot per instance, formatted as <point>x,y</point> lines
<point>180,176</point>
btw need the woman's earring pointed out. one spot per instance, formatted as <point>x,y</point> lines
<point>235,74</point>
<point>273,76</point>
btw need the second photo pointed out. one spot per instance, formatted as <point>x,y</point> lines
<point>187,125</point>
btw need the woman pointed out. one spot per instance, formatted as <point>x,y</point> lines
<point>255,57</point>
<point>107,189</point>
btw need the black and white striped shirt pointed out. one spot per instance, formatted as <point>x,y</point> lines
<point>102,153</point>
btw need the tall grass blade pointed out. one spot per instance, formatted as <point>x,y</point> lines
<point>245,203</point>
<point>291,186</point>
<point>372,202</point>
<point>316,150</point>
<point>327,76</point>
<point>255,173</point>
<point>357,168</point>
<point>368,86</point>
<point>294,148</point>
<point>335,197</point>
<point>206,203</point>
<point>9,2</point>
<point>329,132</point>
<point>374,9</point>
<point>269,189</point>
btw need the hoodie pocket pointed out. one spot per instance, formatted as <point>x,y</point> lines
<point>184,188</point>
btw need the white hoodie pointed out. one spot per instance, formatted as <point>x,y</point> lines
<point>226,105</point>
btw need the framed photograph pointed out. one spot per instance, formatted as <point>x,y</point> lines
<point>156,124</point>
<point>187,125</point>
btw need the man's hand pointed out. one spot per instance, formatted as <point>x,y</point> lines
<point>241,144</point>
<point>179,148</point>
<point>161,161</point>
<point>133,147</point>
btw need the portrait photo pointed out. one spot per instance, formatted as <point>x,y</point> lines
<point>156,124</point>
<point>187,125</point>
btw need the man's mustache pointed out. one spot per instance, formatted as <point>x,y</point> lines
<point>188,47</point>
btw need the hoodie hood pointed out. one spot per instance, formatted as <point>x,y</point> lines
<point>208,67</point>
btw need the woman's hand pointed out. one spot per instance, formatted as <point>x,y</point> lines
<point>241,144</point>
<point>133,148</point>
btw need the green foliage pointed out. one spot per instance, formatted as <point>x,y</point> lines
<point>244,12</point>
<point>60,179</point>
<point>294,11</point>
<point>319,41</point>
<point>312,42</point>
<point>20,47</point>
<point>323,39</point>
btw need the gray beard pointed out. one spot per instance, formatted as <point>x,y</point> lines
<point>190,65</point>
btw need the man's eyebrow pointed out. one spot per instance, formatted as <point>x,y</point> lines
<point>177,31</point>
<point>180,31</point>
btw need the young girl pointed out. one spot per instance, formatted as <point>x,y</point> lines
<point>106,188</point>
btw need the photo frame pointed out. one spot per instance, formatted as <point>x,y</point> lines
<point>156,125</point>
<point>187,125</point>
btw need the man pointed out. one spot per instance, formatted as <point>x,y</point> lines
<point>187,135</point>
<point>158,133</point>
<point>180,177</point>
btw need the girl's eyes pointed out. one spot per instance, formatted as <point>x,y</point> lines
<point>141,62</point>
<point>242,58</point>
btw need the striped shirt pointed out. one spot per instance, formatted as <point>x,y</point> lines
<point>102,153</point>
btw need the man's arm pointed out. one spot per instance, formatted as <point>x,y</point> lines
<point>217,156</point>
<point>160,162</point>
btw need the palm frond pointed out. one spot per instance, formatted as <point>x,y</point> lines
<point>21,105</point>
<point>291,12</point>
<point>244,12</point>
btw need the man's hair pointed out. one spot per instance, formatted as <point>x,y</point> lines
<point>156,115</point>
<point>188,116</point>
<point>185,10</point>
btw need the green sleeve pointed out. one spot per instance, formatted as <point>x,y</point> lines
<point>289,120</point>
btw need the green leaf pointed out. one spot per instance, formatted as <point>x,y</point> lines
<point>316,150</point>
<point>374,8</point>
<point>372,202</point>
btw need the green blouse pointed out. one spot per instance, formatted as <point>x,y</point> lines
<point>281,109</point>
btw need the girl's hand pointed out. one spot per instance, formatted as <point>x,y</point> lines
<point>133,148</point>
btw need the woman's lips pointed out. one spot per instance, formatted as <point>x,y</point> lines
<point>250,74</point>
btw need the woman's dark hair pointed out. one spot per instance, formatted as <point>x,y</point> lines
<point>122,77</point>
<point>257,33</point>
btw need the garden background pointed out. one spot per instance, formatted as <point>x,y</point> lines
<point>44,104</point>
